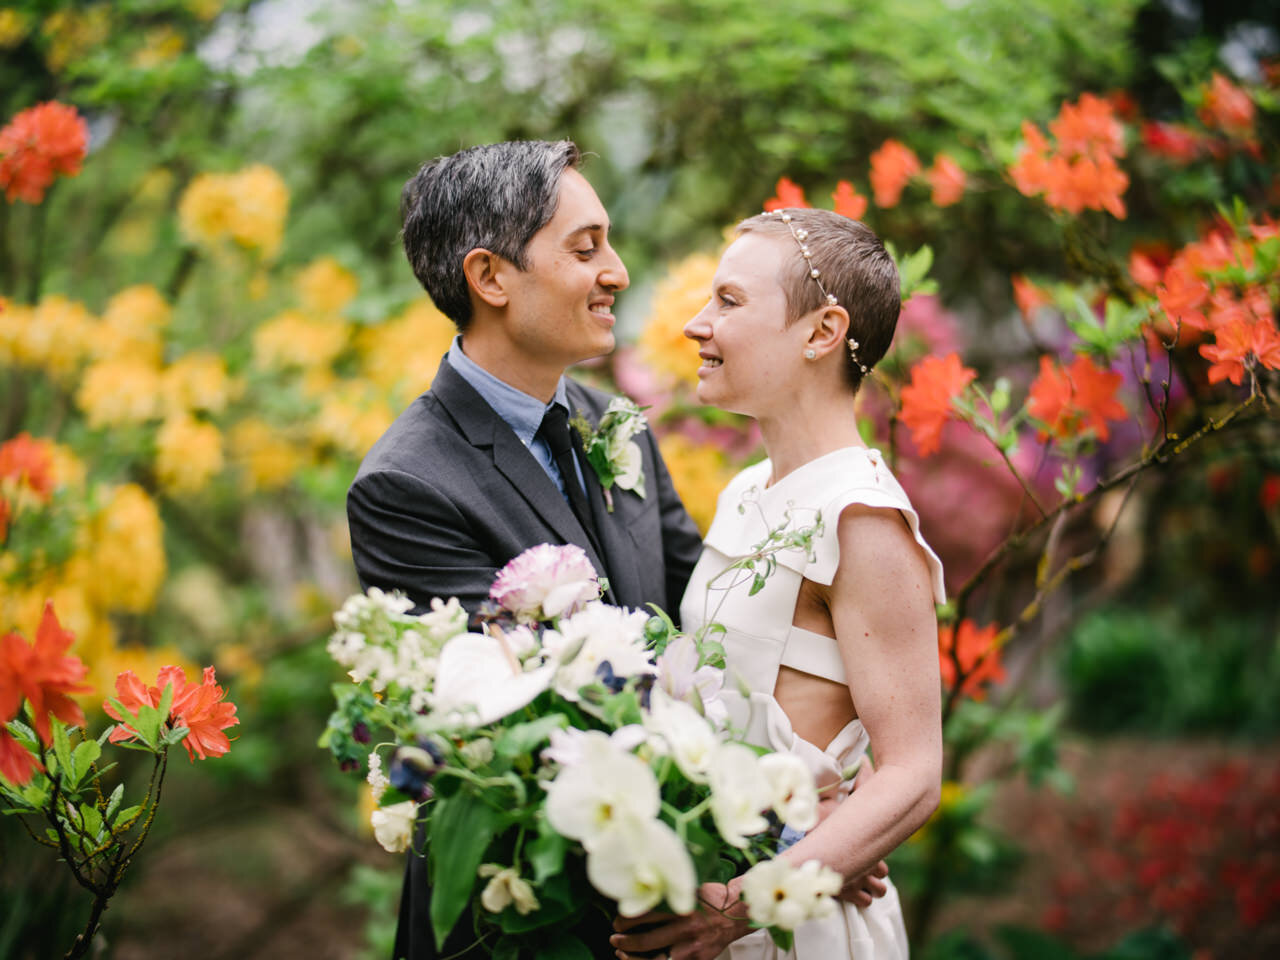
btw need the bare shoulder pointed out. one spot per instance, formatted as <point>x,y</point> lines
<point>883,571</point>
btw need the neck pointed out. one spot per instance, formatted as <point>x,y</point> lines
<point>538,378</point>
<point>809,428</point>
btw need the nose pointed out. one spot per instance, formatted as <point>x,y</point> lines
<point>613,276</point>
<point>699,328</point>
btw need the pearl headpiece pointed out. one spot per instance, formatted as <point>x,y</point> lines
<point>800,235</point>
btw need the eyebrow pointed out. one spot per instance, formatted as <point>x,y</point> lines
<point>587,228</point>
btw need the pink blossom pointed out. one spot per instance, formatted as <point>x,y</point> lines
<point>546,581</point>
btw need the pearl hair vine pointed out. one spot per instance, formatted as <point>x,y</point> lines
<point>800,235</point>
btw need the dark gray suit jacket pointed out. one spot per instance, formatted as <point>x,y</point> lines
<point>449,494</point>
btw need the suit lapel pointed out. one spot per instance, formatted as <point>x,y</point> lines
<point>485,430</point>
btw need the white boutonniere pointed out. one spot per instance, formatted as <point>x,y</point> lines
<point>614,456</point>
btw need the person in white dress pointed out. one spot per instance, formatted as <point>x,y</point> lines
<point>839,648</point>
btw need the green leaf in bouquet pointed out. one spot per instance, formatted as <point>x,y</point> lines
<point>546,852</point>
<point>521,739</point>
<point>507,948</point>
<point>458,832</point>
<point>704,848</point>
<point>566,947</point>
<point>782,938</point>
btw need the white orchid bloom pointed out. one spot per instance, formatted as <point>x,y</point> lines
<point>780,895</point>
<point>568,745</point>
<point>738,793</point>
<point>640,864</point>
<point>505,888</point>
<point>479,681</point>
<point>607,787</point>
<point>629,464</point>
<point>681,677</point>
<point>393,826</point>
<point>682,733</point>
<point>793,794</point>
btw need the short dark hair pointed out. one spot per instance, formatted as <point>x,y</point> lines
<point>495,196</point>
<point>856,269</point>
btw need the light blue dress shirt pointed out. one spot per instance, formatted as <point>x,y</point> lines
<point>521,412</point>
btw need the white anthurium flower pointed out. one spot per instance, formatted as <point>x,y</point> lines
<point>629,464</point>
<point>568,746</point>
<point>393,826</point>
<point>640,864</point>
<point>606,787</point>
<point>594,635</point>
<point>681,677</point>
<point>780,895</point>
<point>793,794</point>
<point>684,734</point>
<point>738,793</point>
<point>479,681</point>
<point>505,888</point>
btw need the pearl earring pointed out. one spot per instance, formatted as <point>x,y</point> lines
<point>810,353</point>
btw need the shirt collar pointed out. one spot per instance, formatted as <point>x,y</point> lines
<point>521,412</point>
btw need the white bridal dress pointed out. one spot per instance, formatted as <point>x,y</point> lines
<point>760,638</point>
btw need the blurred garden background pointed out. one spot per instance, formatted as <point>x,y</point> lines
<point>206,320</point>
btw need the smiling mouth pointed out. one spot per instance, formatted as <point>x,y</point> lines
<point>711,361</point>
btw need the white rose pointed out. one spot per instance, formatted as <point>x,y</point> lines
<point>393,826</point>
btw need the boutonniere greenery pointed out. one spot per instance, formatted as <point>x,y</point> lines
<point>612,453</point>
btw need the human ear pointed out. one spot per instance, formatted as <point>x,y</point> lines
<point>829,326</point>
<point>483,270</point>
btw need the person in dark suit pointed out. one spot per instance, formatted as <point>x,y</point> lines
<point>512,244</point>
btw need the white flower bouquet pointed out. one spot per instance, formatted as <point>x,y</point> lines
<point>559,751</point>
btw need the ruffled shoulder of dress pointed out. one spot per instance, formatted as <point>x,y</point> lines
<point>822,488</point>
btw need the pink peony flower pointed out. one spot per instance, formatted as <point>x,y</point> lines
<point>545,582</point>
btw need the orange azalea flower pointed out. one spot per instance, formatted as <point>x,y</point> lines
<point>44,140</point>
<point>4,519</point>
<point>1086,184</point>
<point>947,180</point>
<point>16,762</point>
<point>1030,172</point>
<point>1226,308</point>
<point>197,706</point>
<point>1182,296</point>
<point>787,194</point>
<point>1242,343</point>
<point>849,202</point>
<point>975,648</point>
<point>926,400</point>
<point>1088,128</point>
<point>1075,398</point>
<point>30,462</point>
<point>1028,296</point>
<point>43,675</point>
<point>891,167</point>
<point>1227,107</point>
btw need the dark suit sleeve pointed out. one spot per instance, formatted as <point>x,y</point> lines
<point>407,536</point>
<point>681,541</point>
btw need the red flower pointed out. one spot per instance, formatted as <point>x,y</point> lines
<point>16,762</point>
<point>29,461</point>
<point>1242,343</point>
<point>1179,143</point>
<point>926,400</point>
<point>1227,107</point>
<point>976,650</point>
<point>39,142</point>
<point>1028,296</point>
<point>849,202</point>
<point>891,167</point>
<point>1075,398</point>
<point>197,706</point>
<point>42,674</point>
<point>4,519</point>
<point>787,194</point>
<point>947,180</point>
<point>1269,494</point>
<point>1182,296</point>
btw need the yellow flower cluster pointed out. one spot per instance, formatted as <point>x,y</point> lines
<point>188,454</point>
<point>266,459</point>
<point>196,381</point>
<point>13,27</point>
<point>247,207</point>
<point>133,325</point>
<point>296,339</point>
<point>54,336</point>
<point>126,551</point>
<point>325,286</point>
<point>73,33</point>
<point>401,355</point>
<point>159,45</point>
<point>351,419</point>
<point>119,391</point>
<point>684,291</point>
<point>699,472</point>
